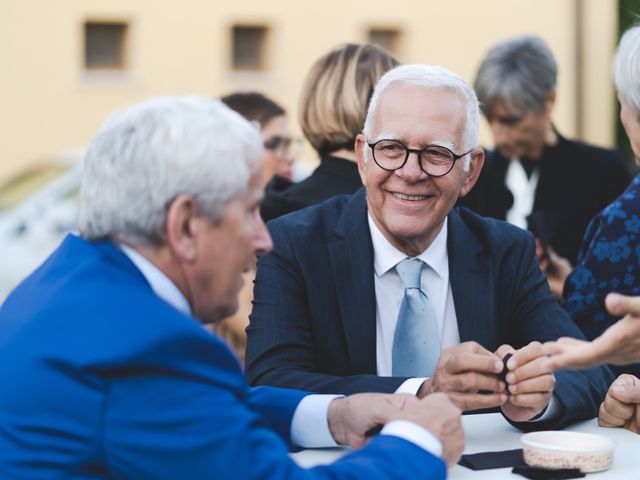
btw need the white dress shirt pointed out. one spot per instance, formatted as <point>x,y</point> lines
<point>309,425</point>
<point>435,283</point>
<point>523,189</point>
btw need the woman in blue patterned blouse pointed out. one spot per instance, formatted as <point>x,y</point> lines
<point>609,261</point>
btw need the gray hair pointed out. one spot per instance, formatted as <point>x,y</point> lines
<point>626,69</point>
<point>520,72</point>
<point>430,76</point>
<point>146,155</point>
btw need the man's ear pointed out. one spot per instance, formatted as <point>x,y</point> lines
<point>181,229</point>
<point>549,103</point>
<point>360,146</point>
<point>475,167</point>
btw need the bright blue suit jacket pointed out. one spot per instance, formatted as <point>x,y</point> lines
<point>313,324</point>
<point>103,379</point>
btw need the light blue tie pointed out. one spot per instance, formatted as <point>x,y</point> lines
<point>416,344</point>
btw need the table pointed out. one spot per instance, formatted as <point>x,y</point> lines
<point>491,432</point>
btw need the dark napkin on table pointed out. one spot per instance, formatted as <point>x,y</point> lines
<point>513,458</point>
<point>488,460</point>
<point>535,473</point>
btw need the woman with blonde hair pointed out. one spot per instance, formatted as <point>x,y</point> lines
<point>333,107</point>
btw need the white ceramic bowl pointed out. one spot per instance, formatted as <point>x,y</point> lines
<point>558,449</point>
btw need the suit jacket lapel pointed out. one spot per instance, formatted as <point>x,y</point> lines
<point>351,255</point>
<point>473,292</point>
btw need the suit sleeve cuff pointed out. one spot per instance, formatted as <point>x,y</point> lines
<point>411,386</point>
<point>414,433</point>
<point>551,412</point>
<point>309,425</point>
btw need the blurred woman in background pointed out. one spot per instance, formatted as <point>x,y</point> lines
<point>333,107</point>
<point>274,127</point>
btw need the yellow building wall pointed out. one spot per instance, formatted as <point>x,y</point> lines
<point>49,105</point>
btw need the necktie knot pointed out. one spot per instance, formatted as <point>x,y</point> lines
<point>409,271</point>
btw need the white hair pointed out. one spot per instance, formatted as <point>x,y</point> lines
<point>626,69</point>
<point>146,155</point>
<point>430,76</point>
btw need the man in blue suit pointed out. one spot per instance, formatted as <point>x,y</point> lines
<point>333,310</point>
<point>106,370</point>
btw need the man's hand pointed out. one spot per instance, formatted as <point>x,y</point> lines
<point>555,267</point>
<point>351,417</point>
<point>621,405</point>
<point>462,372</point>
<point>619,344</point>
<point>529,381</point>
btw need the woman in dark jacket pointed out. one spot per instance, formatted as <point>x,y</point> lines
<point>334,104</point>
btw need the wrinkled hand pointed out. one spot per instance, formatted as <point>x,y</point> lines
<point>442,419</point>
<point>619,344</point>
<point>530,382</point>
<point>462,372</point>
<point>555,267</point>
<point>621,405</point>
<point>350,418</point>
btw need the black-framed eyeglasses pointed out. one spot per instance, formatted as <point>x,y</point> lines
<point>435,160</point>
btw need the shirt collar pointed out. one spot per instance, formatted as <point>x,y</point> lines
<point>160,283</point>
<point>386,256</point>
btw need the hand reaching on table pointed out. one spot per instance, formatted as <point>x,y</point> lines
<point>463,371</point>
<point>621,406</point>
<point>555,267</point>
<point>619,344</point>
<point>350,418</point>
<point>530,382</point>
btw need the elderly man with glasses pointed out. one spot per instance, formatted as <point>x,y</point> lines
<point>395,290</point>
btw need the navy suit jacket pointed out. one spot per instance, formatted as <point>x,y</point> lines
<point>103,379</point>
<point>313,324</point>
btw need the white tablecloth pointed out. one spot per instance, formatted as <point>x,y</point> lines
<point>491,432</point>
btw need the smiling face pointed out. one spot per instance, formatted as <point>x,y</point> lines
<point>407,205</point>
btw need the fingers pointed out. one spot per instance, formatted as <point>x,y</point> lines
<point>540,384</point>
<point>629,394</point>
<point>532,369</point>
<point>455,445</point>
<point>535,401</point>
<point>525,354</point>
<point>619,305</point>
<point>503,350</point>
<point>472,382</point>
<point>614,413</point>
<point>573,353</point>
<point>475,401</point>
<point>465,361</point>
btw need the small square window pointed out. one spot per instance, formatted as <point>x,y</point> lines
<point>388,38</point>
<point>105,45</point>
<point>249,47</point>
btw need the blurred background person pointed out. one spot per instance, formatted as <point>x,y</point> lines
<point>274,127</point>
<point>535,178</point>
<point>333,107</point>
<point>277,167</point>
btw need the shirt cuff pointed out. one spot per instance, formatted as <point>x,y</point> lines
<point>552,411</point>
<point>411,386</point>
<point>310,425</point>
<point>414,433</point>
